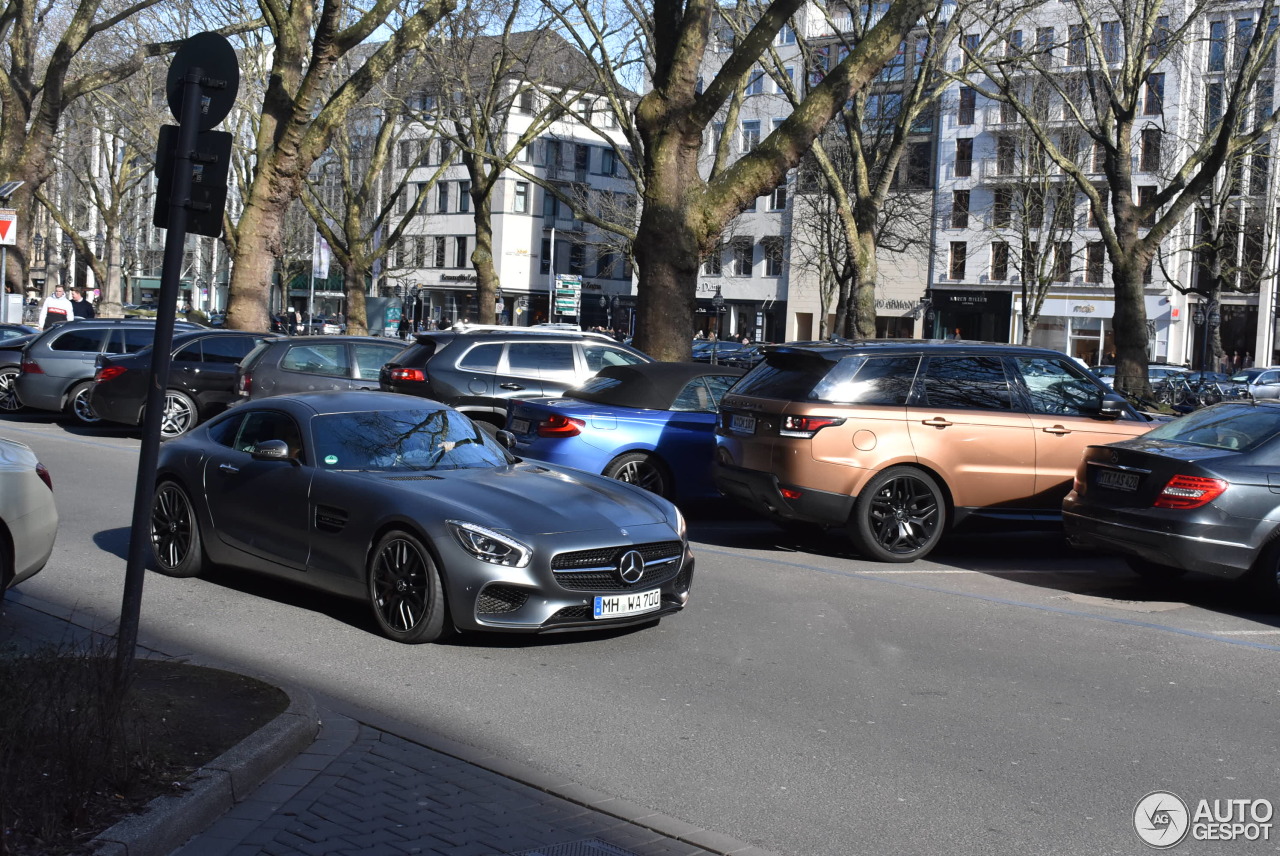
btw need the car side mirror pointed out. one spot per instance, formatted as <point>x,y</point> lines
<point>506,439</point>
<point>271,450</point>
<point>1113,406</point>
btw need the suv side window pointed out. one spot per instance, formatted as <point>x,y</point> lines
<point>79,340</point>
<point>869,380</point>
<point>482,358</point>
<point>540,359</point>
<point>189,354</point>
<point>784,376</point>
<point>130,340</point>
<point>330,359</point>
<point>371,358</point>
<point>599,356</point>
<point>1057,387</point>
<point>972,383</point>
<point>227,349</point>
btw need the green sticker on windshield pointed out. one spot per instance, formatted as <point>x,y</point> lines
<point>331,459</point>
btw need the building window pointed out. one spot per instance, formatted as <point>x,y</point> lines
<point>1213,103</point>
<point>1044,44</point>
<point>1002,208</point>
<point>1111,41</point>
<point>1095,259</point>
<point>959,209</point>
<point>920,164</point>
<point>577,259</point>
<point>1075,44</point>
<point>545,261</point>
<point>608,162</point>
<point>1153,103</point>
<point>964,157</point>
<point>1261,163</point>
<point>526,102</point>
<point>1062,261</point>
<point>1006,155</point>
<point>1013,45</point>
<point>521,205</point>
<point>778,202</point>
<point>1104,198</point>
<point>1146,196</point>
<point>968,105</point>
<point>755,82</point>
<point>438,252</point>
<point>787,35</point>
<point>1159,38</point>
<point>959,250</point>
<point>712,263</point>
<point>460,257</point>
<point>442,198</point>
<point>446,151</point>
<point>607,266</point>
<point>552,153</point>
<point>1150,158</point>
<point>464,196</point>
<point>999,261</point>
<point>743,256</point>
<point>969,43</point>
<point>772,256</point>
<point>750,134</point>
<point>1217,45</point>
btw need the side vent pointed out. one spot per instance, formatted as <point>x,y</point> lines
<point>330,519</point>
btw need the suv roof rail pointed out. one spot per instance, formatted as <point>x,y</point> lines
<point>538,330</point>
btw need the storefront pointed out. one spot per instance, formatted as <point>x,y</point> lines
<point>980,316</point>
<point>1081,327</point>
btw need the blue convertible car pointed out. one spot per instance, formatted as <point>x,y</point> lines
<point>650,424</point>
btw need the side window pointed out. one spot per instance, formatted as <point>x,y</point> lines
<point>535,359</point>
<point>328,360</point>
<point>599,356</point>
<point>974,383</point>
<point>189,354</point>
<point>371,358</point>
<point>79,340</point>
<point>482,358</point>
<point>1057,387</point>
<point>130,340</point>
<point>694,397</point>
<point>882,381</point>
<point>224,433</point>
<point>227,349</point>
<point>261,425</point>
<point>719,385</point>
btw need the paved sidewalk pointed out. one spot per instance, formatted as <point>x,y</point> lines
<point>363,789</point>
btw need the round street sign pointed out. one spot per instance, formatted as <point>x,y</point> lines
<point>213,55</point>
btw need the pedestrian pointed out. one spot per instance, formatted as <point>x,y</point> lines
<point>80,307</point>
<point>294,319</point>
<point>1248,360</point>
<point>1235,360</point>
<point>1224,364</point>
<point>405,326</point>
<point>55,310</point>
<point>700,336</point>
<point>746,340</point>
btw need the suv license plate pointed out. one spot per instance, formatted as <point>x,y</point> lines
<point>617,605</point>
<point>740,424</point>
<point>1117,480</point>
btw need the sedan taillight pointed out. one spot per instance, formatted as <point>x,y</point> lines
<point>410,375</point>
<point>806,426</point>
<point>43,472</point>
<point>107,373</point>
<point>560,426</point>
<point>30,366</point>
<point>1189,492</point>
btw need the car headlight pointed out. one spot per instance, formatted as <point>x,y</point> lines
<point>682,529</point>
<point>489,546</point>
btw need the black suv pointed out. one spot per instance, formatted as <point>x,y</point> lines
<point>477,369</point>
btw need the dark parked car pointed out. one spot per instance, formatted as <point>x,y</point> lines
<point>202,380</point>
<point>651,424</point>
<point>310,363</point>
<point>1194,494</point>
<point>10,368</point>
<point>894,441</point>
<point>407,504</point>
<point>479,369</point>
<point>59,364</point>
<point>15,331</point>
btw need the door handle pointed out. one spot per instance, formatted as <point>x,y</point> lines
<point>510,386</point>
<point>1056,429</point>
<point>937,422</point>
<point>228,468</point>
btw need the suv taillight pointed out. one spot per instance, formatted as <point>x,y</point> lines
<point>806,426</point>
<point>411,375</point>
<point>1189,492</point>
<point>30,366</point>
<point>560,426</point>
<point>107,373</point>
<point>244,385</point>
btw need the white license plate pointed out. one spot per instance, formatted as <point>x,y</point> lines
<point>742,424</point>
<point>1117,480</point>
<point>519,426</point>
<point>617,605</point>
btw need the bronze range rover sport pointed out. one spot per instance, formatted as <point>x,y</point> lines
<point>896,441</point>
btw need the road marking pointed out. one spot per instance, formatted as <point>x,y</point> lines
<point>1272,632</point>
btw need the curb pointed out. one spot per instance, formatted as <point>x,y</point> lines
<point>169,821</point>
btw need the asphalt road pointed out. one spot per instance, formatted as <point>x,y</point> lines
<point>1006,696</point>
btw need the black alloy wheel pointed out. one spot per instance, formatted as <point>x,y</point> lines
<point>405,590</point>
<point>642,470</point>
<point>175,534</point>
<point>899,516</point>
<point>78,404</point>
<point>9,402</point>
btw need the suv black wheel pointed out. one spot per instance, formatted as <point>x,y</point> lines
<point>78,404</point>
<point>642,470</point>
<point>405,591</point>
<point>899,516</point>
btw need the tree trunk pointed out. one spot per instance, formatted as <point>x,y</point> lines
<point>256,253</point>
<point>1129,324</point>
<point>867,275</point>
<point>357,312</point>
<point>482,258</point>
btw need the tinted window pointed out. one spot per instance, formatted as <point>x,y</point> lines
<point>482,358</point>
<point>330,359</point>
<point>869,380</point>
<point>534,358</point>
<point>1055,386</point>
<point>79,340</point>
<point>262,425</point>
<point>719,385</point>
<point>224,433</point>
<point>256,354</point>
<point>694,397</point>
<point>190,353</point>
<point>975,383</point>
<point>599,356</point>
<point>130,340</point>
<point>404,440</point>
<point>790,377</point>
<point>371,358</point>
<point>227,349</point>
<point>1236,427</point>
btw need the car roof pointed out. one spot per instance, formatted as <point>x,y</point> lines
<point>345,401</point>
<point>651,386</point>
<point>835,349</point>
<point>275,338</point>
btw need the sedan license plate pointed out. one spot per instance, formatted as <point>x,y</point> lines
<point>741,424</point>
<point>1116,480</point>
<point>618,605</point>
<point>519,426</point>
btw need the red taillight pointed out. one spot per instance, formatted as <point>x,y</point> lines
<point>560,426</point>
<point>245,384</point>
<point>1189,492</point>
<point>806,426</point>
<point>789,493</point>
<point>30,366</point>
<point>107,373</point>
<point>412,375</point>
<point>43,472</point>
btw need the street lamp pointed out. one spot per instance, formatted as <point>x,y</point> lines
<point>1207,318</point>
<point>38,243</point>
<point>717,303</point>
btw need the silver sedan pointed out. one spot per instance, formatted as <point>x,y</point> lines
<point>28,516</point>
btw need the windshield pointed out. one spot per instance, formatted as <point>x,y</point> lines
<point>404,441</point>
<point>1238,427</point>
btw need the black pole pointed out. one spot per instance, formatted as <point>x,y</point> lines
<point>144,490</point>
